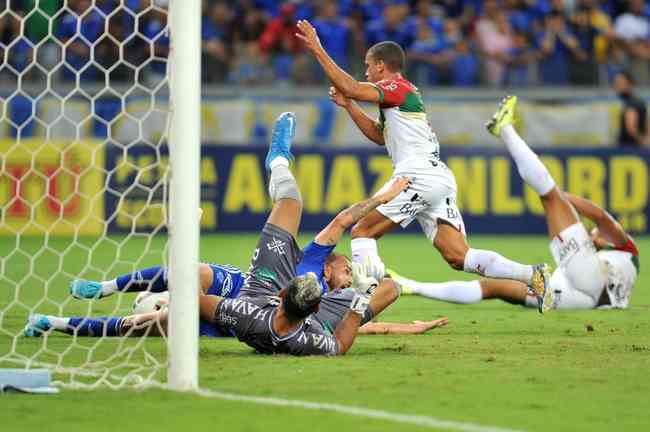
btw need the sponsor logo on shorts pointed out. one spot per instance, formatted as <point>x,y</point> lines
<point>408,209</point>
<point>227,319</point>
<point>265,274</point>
<point>568,248</point>
<point>276,246</point>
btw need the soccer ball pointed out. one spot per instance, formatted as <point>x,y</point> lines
<point>150,302</point>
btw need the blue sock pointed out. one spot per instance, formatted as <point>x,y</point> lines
<point>152,279</point>
<point>94,327</point>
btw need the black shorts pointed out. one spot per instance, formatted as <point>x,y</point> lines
<point>273,263</point>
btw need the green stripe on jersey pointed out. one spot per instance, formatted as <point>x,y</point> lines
<point>412,103</point>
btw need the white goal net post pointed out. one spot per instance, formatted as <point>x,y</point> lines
<point>99,176</point>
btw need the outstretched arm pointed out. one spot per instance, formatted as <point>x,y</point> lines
<point>332,233</point>
<point>350,87</point>
<point>609,228</point>
<point>366,124</point>
<point>416,327</point>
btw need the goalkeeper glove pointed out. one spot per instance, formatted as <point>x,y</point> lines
<point>361,282</point>
<point>359,304</point>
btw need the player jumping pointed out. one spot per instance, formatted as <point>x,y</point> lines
<point>413,147</point>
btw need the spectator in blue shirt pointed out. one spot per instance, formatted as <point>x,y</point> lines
<point>520,17</point>
<point>428,56</point>
<point>465,63</point>
<point>390,26</point>
<point>20,49</point>
<point>557,44</point>
<point>156,34</point>
<point>77,51</point>
<point>424,13</point>
<point>583,68</point>
<point>522,56</point>
<point>333,31</point>
<point>217,38</point>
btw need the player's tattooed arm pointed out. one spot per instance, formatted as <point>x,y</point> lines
<point>350,87</point>
<point>333,232</point>
<point>608,227</point>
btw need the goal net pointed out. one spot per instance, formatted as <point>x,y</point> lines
<point>85,179</point>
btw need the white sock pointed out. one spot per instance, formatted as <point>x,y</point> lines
<point>58,323</point>
<point>363,247</point>
<point>491,264</point>
<point>282,184</point>
<point>463,292</point>
<point>279,161</point>
<point>530,168</point>
<point>366,248</point>
<point>109,287</point>
<point>531,302</point>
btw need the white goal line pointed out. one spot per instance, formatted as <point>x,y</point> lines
<point>416,420</point>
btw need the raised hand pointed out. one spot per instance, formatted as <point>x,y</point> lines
<point>308,35</point>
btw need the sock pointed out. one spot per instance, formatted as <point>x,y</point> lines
<point>366,248</point>
<point>282,184</point>
<point>531,302</point>
<point>463,292</point>
<point>491,264</point>
<point>279,161</point>
<point>152,279</point>
<point>530,168</point>
<point>363,247</point>
<point>58,323</point>
<point>93,327</point>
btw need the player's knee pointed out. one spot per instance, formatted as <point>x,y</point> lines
<point>455,260</point>
<point>455,256</point>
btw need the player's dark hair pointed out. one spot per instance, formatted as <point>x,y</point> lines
<point>390,53</point>
<point>301,298</point>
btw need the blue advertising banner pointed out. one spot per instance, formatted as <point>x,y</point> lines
<point>491,195</point>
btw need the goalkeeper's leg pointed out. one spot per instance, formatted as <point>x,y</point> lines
<point>283,189</point>
<point>151,324</point>
<point>152,279</point>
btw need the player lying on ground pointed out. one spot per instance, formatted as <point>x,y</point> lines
<point>413,147</point>
<point>229,280</point>
<point>593,271</point>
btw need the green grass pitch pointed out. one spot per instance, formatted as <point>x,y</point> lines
<point>494,365</point>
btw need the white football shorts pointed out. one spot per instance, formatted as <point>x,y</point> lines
<point>431,196</point>
<point>580,277</point>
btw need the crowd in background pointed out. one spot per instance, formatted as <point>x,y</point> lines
<point>252,42</point>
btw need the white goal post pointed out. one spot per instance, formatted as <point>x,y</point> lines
<point>185,148</point>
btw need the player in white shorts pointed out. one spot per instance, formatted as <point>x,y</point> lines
<point>404,130</point>
<point>585,277</point>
